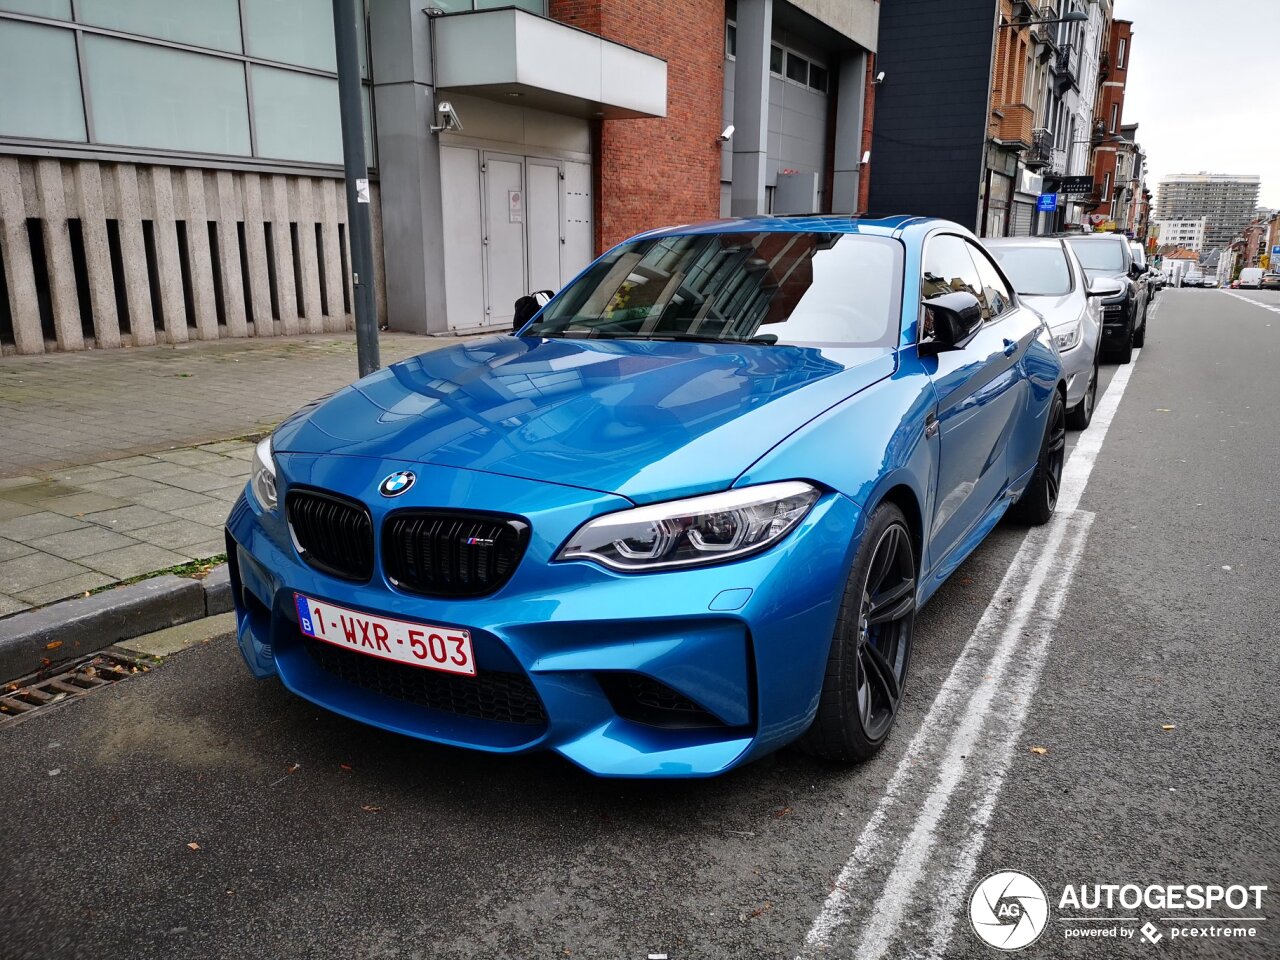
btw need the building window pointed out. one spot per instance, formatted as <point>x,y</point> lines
<point>1120,53</point>
<point>151,96</point>
<point>730,39</point>
<point>1115,116</point>
<point>797,68</point>
<point>203,23</point>
<point>775,60</point>
<point>50,109</point>
<point>818,79</point>
<point>144,91</point>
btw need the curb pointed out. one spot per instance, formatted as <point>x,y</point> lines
<point>73,628</point>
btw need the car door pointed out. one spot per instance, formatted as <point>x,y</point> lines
<point>978,392</point>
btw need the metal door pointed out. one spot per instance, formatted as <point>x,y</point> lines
<point>506,279</point>
<point>543,227</point>
<point>575,211</point>
<point>464,287</point>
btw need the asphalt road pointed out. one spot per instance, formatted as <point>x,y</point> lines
<point>1155,607</point>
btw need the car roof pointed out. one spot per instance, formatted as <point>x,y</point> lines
<point>882,226</point>
<point>1041,241</point>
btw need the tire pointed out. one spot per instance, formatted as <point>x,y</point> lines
<point>1078,417</point>
<point>1040,499</point>
<point>871,647</point>
<point>1124,354</point>
<point>1140,335</point>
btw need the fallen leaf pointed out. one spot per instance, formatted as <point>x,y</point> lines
<point>1041,751</point>
<point>194,846</point>
<point>54,645</point>
<point>345,766</point>
<point>369,808</point>
<point>1168,726</point>
<point>782,813</point>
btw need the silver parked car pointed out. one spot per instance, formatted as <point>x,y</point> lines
<point>1049,278</point>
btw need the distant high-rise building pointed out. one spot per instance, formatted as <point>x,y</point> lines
<point>1226,201</point>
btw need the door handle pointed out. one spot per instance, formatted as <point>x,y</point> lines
<point>1010,347</point>
<point>930,426</point>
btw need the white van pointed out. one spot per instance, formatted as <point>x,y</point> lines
<point>1251,278</point>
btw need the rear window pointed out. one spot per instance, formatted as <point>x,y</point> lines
<point>1039,271</point>
<point>766,288</point>
<point>1099,254</point>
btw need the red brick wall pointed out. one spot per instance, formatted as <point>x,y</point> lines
<point>655,172</point>
<point>1104,159</point>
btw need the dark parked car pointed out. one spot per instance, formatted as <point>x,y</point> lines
<point>1270,281</point>
<point>1124,317</point>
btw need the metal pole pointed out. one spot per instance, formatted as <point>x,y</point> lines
<point>351,107</point>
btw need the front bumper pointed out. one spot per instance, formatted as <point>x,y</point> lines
<point>746,642</point>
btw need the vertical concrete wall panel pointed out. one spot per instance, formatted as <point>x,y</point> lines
<point>228,210</point>
<point>199,256</point>
<point>159,188</point>
<point>379,269</point>
<point>15,251</point>
<point>278,214</point>
<point>303,209</point>
<point>57,247</point>
<point>330,258</point>
<point>256,253</point>
<point>97,253</point>
<point>133,254</point>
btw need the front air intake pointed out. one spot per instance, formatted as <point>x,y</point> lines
<point>451,553</point>
<point>332,534</point>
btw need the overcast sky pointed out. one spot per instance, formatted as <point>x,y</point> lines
<point>1199,88</point>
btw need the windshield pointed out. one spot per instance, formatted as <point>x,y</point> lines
<point>795,288</point>
<point>1099,254</point>
<point>1040,271</point>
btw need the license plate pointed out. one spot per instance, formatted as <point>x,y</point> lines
<point>417,644</point>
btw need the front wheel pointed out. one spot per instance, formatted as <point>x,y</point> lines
<point>1040,499</point>
<point>1082,413</point>
<point>871,648</point>
<point>1140,335</point>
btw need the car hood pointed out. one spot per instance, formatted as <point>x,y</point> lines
<point>643,419</point>
<point>1057,311</point>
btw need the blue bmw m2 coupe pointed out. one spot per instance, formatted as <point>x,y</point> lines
<point>683,517</point>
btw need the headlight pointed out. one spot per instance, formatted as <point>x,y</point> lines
<point>263,479</point>
<point>1068,337</point>
<point>684,533</point>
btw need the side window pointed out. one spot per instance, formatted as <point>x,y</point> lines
<point>948,268</point>
<point>995,297</point>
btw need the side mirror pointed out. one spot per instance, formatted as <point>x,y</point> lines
<point>1105,288</point>
<point>1135,270</point>
<point>951,321</point>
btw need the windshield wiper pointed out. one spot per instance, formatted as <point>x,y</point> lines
<point>764,338</point>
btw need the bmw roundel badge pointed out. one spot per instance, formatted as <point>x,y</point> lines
<point>397,483</point>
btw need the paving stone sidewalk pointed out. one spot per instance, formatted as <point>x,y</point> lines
<point>116,464</point>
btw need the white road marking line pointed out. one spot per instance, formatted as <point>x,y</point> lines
<point>965,706</point>
<point>1256,303</point>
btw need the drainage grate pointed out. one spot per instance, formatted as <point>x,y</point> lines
<point>42,689</point>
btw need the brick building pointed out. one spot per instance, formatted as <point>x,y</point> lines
<point>1111,148</point>
<point>175,173</point>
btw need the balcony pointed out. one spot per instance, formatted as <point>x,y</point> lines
<point>1065,74</point>
<point>507,52</point>
<point>1040,154</point>
<point>1013,127</point>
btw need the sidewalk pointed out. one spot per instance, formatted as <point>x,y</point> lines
<point>116,464</point>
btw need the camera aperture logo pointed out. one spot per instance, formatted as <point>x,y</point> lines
<point>1008,910</point>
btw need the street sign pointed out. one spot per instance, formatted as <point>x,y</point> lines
<point>1047,203</point>
<point>1076,186</point>
<point>1275,251</point>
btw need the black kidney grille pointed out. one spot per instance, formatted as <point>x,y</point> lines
<point>448,553</point>
<point>503,697</point>
<point>335,534</point>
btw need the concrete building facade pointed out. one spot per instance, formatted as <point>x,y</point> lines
<point>1227,202</point>
<point>173,170</point>
<point>1184,234</point>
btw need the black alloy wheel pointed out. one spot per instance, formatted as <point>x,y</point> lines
<point>1082,413</point>
<point>1140,334</point>
<point>1040,499</point>
<point>871,649</point>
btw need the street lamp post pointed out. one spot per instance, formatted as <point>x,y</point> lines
<point>357,180</point>
<point>1075,16</point>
